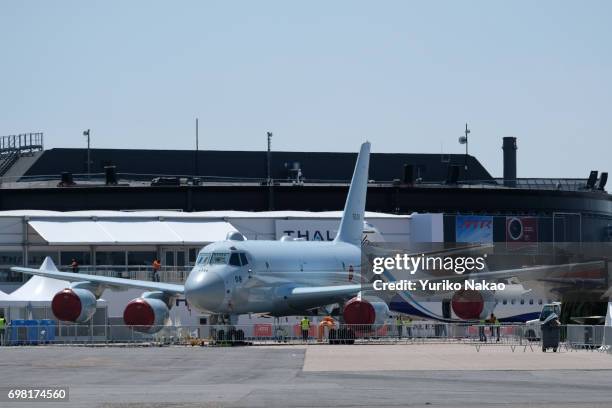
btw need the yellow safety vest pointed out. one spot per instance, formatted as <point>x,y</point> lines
<point>305,324</point>
<point>2,323</point>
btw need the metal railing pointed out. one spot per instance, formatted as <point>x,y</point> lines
<point>573,337</point>
<point>169,274</point>
<point>24,143</point>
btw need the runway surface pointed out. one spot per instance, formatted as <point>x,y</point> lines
<point>309,376</point>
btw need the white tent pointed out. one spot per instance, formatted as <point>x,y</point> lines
<point>37,289</point>
<point>131,231</point>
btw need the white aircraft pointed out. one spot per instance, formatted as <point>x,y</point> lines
<point>237,276</point>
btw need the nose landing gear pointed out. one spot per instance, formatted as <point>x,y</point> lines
<point>224,331</point>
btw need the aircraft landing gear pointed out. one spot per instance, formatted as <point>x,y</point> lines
<point>225,332</point>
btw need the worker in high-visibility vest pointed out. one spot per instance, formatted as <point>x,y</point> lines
<point>2,326</point>
<point>481,331</point>
<point>305,326</point>
<point>408,326</point>
<point>494,325</point>
<point>400,326</point>
<point>326,322</point>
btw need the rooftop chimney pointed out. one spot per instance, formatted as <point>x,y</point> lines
<point>509,148</point>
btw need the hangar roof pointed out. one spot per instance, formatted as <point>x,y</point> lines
<point>219,215</point>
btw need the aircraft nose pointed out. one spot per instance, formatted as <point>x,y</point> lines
<point>205,290</point>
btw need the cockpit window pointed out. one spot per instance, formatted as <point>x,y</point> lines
<point>219,258</point>
<point>243,258</point>
<point>203,259</point>
<point>234,259</point>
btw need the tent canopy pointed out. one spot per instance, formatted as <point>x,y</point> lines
<point>131,232</point>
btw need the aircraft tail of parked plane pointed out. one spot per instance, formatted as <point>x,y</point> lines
<point>351,225</point>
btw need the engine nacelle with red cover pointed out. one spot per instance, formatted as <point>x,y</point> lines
<point>76,305</point>
<point>146,314</point>
<point>468,304</point>
<point>364,312</point>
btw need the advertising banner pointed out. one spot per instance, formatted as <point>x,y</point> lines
<point>474,228</point>
<point>262,330</point>
<point>521,229</point>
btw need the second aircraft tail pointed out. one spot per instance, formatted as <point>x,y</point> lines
<point>351,225</point>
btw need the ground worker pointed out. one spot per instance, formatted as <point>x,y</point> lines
<point>494,325</point>
<point>305,326</point>
<point>400,326</point>
<point>2,326</point>
<point>74,265</point>
<point>481,331</point>
<point>156,267</point>
<point>408,325</point>
<point>327,322</point>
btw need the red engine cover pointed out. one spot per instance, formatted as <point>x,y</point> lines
<point>139,313</point>
<point>467,304</point>
<point>358,312</point>
<point>66,305</point>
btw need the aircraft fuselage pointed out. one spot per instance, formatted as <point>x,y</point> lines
<point>234,277</point>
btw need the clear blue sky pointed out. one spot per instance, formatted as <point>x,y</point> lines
<point>321,75</point>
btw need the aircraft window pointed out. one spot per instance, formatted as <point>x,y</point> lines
<point>219,258</point>
<point>531,301</point>
<point>243,258</point>
<point>203,259</point>
<point>522,301</point>
<point>234,259</point>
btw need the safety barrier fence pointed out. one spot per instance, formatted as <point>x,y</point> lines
<point>513,335</point>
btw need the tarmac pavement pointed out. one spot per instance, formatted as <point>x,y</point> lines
<point>434,375</point>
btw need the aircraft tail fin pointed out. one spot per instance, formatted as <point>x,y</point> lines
<point>351,225</point>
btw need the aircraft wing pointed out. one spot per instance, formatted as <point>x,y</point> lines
<point>306,297</point>
<point>48,270</point>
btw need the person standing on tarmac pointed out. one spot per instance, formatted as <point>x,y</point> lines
<point>494,324</point>
<point>481,331</point>
<point>305,326</point>
<point>400,326</point>
<point>2,326</point>
<point>408,325</point>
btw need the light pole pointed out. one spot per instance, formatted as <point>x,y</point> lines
<point>269,174</point>
<point>464,140</point>
<point>86,133</point>
<point>197,167</point>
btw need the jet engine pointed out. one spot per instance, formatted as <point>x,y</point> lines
<point>473,304</point>
<point>364,312</point>
<point>74,305</point>
<point>146,314</point>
